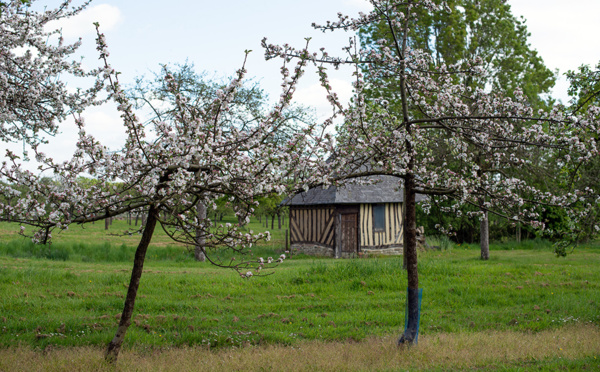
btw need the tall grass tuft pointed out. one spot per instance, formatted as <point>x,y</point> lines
<point>536,244</point>
<point>79,251</point>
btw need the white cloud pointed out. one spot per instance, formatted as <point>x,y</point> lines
<point>109,16</point>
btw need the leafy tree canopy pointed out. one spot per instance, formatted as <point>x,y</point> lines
<point>466,30</point>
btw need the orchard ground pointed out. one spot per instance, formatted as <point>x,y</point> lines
<point>523,309</point>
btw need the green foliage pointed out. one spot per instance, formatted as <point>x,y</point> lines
<point>270,206</point>
<point>560,248</point>
<point>469,29</point>
<point>462,31</point>
<point>466,228</point>
<point>441,242</point>
<point>199,90</point>
<point>585,92</point>
<point>585,87</point>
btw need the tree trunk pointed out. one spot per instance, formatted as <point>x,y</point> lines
<point>518,237</point>
<point>410,225</point>
<point>484,240</point>
<point>272,222</point>
<point>410,252</point>
<point>279,221</point>
<point>404,236</point>
<point>106,223</point>
<point>199,252</point>
<point>112,352</point>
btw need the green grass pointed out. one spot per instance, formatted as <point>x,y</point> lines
<point>92,243</point>
<point>71,294</point>
<point>186,303</point>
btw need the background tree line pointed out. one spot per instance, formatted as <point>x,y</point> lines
<point>458,32</point>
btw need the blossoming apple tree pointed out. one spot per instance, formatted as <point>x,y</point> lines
<point>423,124</point>
<point>585,92</point>
<point>167,168</point>
<point>462,31</point>
<point>248,105</point>
<point>34,95</point>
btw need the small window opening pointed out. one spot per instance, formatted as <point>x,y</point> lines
<point>379,217</point>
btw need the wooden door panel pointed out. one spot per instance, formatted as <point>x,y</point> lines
<point>349,230</point>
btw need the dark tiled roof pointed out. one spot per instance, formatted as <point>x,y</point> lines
<point>385,189</point>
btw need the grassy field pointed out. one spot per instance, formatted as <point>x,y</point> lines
<point>52,300</point>
<point>92,243</point>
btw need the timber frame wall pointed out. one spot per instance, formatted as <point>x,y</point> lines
<point>317,225</point>
<point>390,236</point>
<point>314,224</point>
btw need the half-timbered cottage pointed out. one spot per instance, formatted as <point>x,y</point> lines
<point>347,220</point>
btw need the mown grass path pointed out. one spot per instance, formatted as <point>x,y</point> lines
<point>573,348</point>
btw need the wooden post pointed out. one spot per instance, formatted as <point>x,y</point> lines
<point>338,235</point>
<point>287,246</point>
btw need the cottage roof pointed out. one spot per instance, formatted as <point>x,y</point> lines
<point>385,189</point>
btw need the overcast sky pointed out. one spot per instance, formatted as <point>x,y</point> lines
<point>213,35</point>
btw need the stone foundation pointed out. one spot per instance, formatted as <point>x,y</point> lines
<point>393,250</point>
<point>312,249</point>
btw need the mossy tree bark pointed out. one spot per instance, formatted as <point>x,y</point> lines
<point>199,250</point>
<point>484,241</point>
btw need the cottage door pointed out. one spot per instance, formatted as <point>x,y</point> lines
<point>349,241</point>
